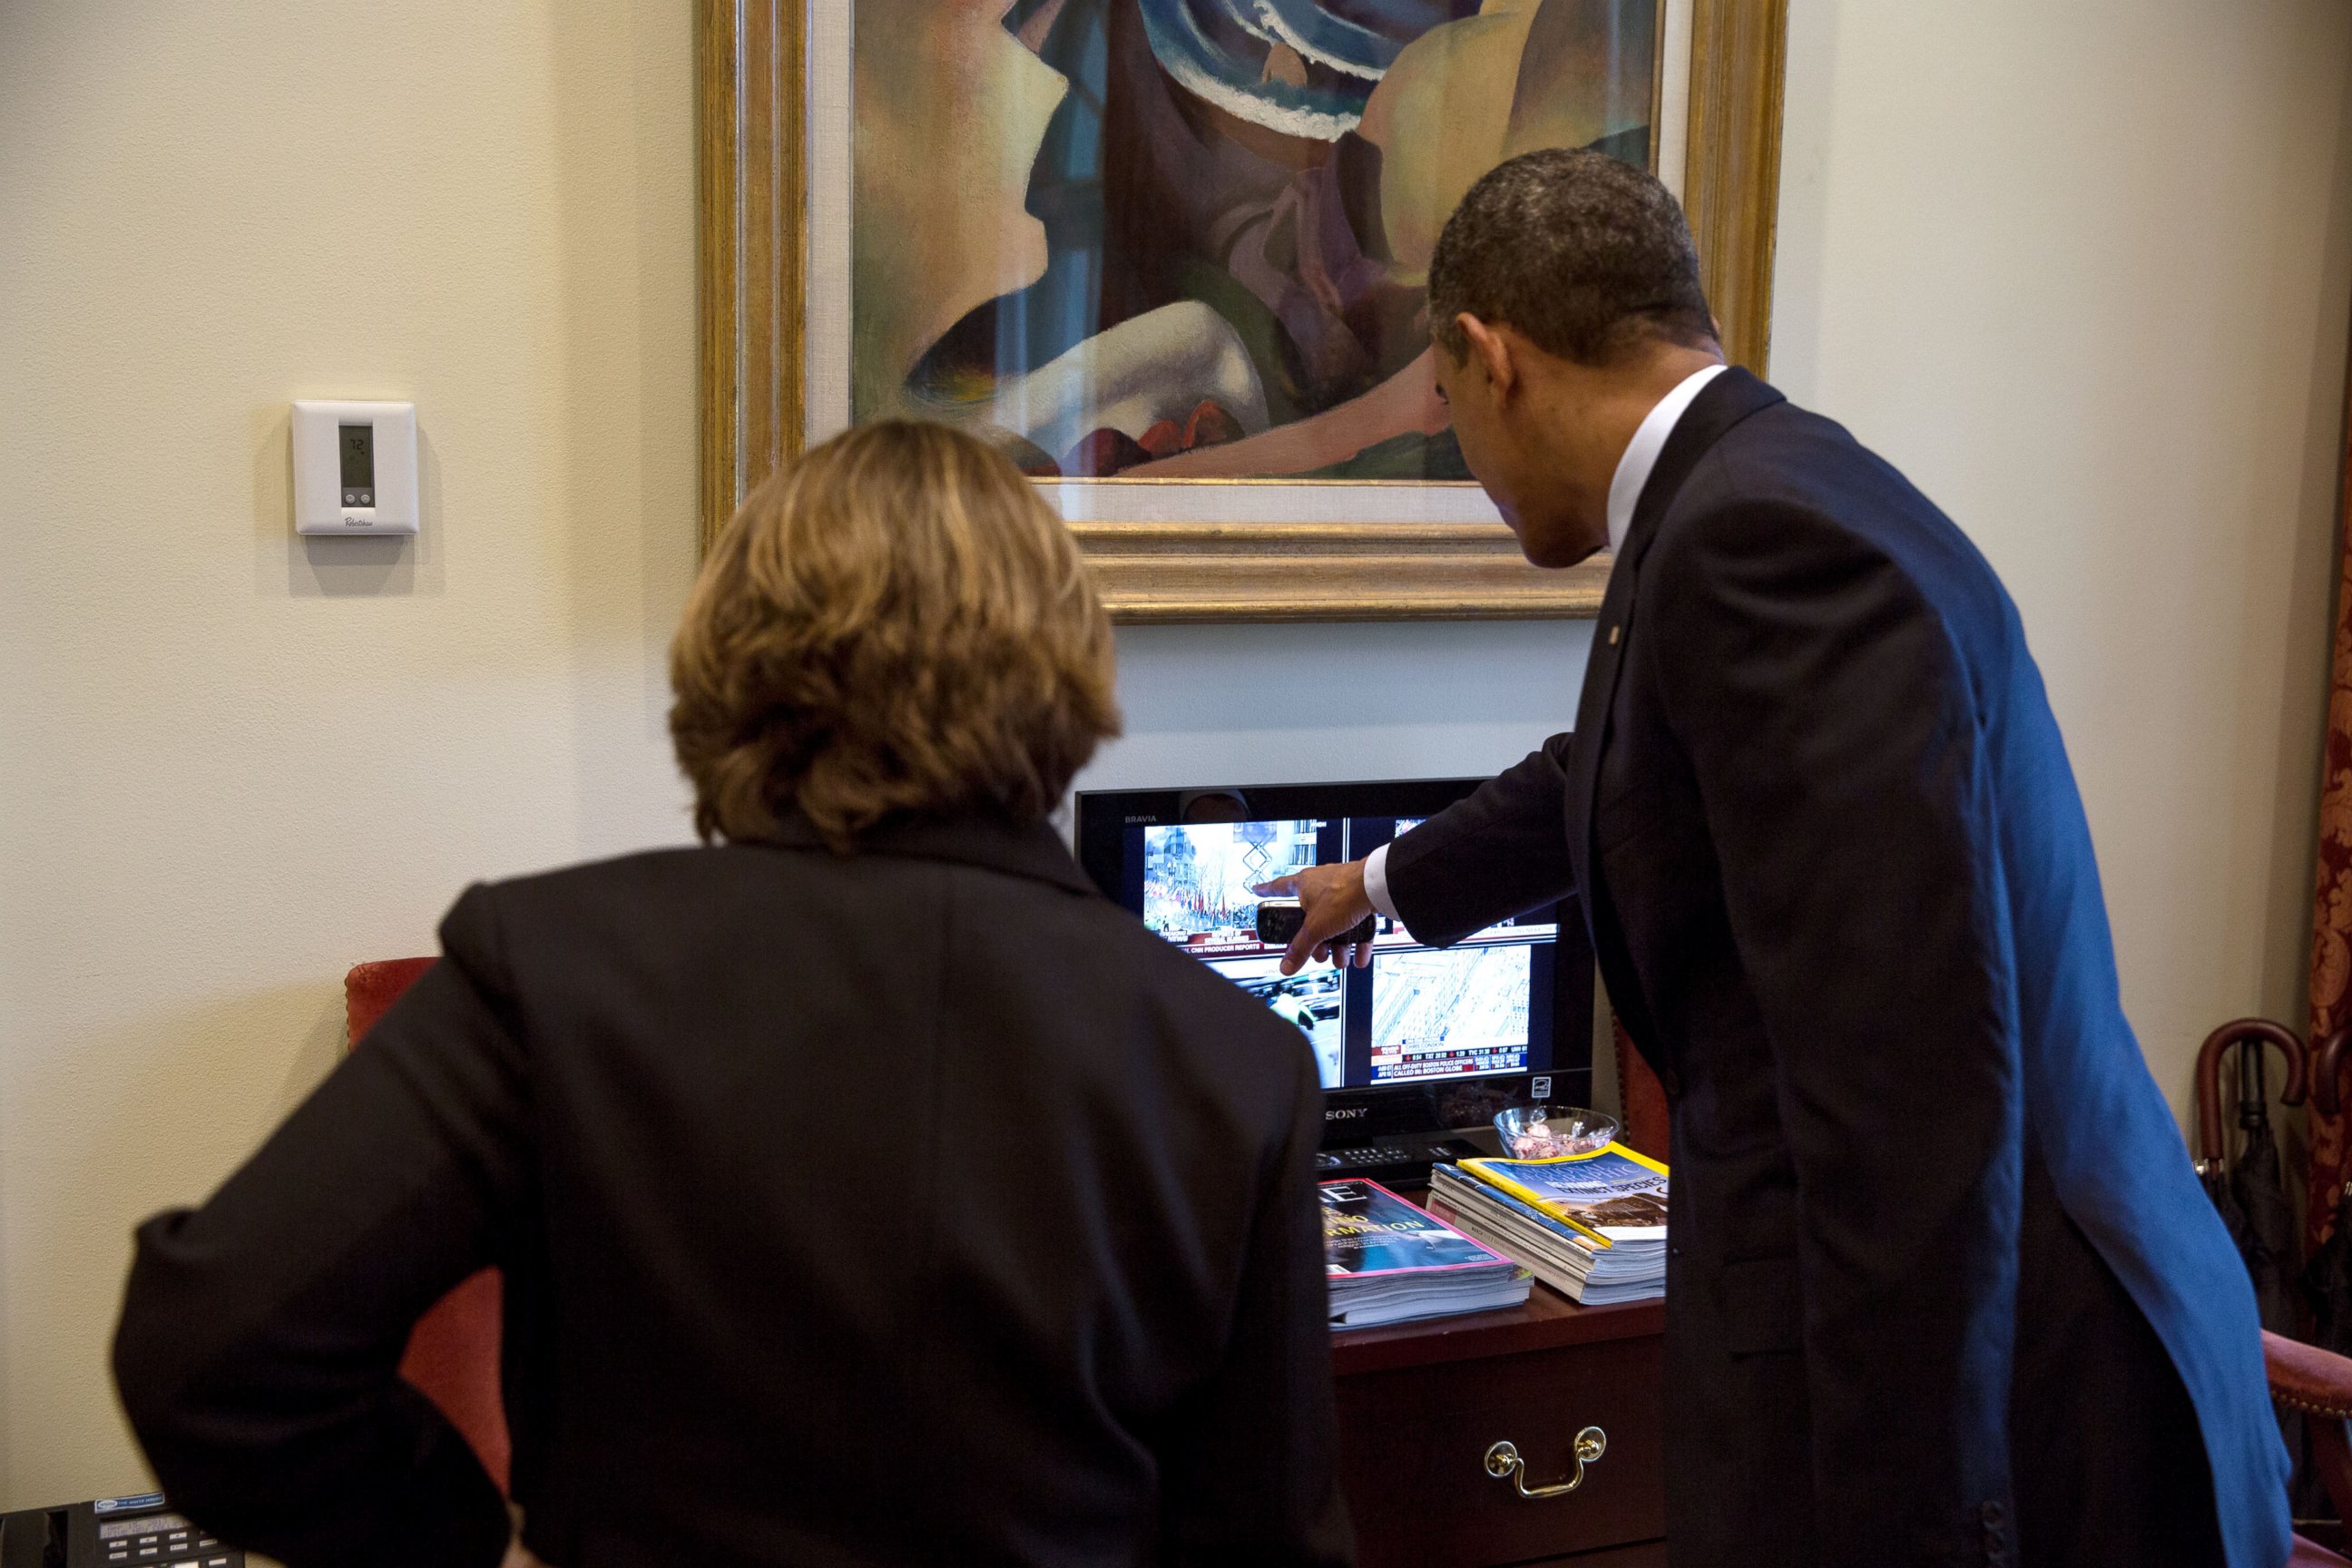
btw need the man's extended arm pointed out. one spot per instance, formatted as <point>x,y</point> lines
<point>1500,852</point>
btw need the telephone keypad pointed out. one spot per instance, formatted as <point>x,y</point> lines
<point>162,1541</point>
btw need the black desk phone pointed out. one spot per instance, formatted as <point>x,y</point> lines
<point>138,1531</point>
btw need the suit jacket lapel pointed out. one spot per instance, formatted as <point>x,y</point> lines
<point>1724,402</point>
<point>1601,666</point>
<point>1720,404</point>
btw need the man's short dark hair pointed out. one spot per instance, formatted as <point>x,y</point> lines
<point>1582,253</point>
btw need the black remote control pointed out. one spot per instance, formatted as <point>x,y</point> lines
<point>1279,921</point>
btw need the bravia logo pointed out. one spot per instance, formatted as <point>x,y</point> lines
<point>1344,1112</point>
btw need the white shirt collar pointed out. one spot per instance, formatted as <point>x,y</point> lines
<point>1641,452</point>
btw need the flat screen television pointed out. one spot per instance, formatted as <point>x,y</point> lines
<point>1422,1041</point>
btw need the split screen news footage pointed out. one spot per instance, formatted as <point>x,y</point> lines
<point>1420,1045</point>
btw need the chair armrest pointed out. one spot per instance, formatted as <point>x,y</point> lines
<point>2306,1378</point>
<point>2318,1383</point>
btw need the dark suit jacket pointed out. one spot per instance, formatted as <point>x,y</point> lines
<point>1927,1201</point>
<point>912,1207</point>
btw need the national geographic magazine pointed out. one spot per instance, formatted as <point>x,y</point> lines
<point>1616,1196</point>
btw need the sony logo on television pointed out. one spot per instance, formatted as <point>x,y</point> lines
<point>1344,1112</point>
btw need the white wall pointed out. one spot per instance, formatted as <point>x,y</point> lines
<point>235,762</point>
<point>2086,277</point>
<point>2083,272</point>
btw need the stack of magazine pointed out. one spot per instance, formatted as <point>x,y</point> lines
<point>1592,1226</point>
<point>1387,1261</point>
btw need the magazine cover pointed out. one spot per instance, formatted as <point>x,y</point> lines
<point>1616,1194</point>
<point>1368,1230</point>
<point>1452,1194</point>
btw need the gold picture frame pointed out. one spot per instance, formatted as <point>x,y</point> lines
<point>751,65</point>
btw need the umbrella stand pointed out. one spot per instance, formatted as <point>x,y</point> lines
<point>2248,1192</point>
<point>2252,1199</point>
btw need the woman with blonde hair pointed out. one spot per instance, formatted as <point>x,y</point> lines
<point>869,1190</point>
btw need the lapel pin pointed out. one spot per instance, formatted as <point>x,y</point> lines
<point>1613,634</point>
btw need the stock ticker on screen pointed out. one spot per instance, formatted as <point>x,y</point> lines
<point>1436,1014</point>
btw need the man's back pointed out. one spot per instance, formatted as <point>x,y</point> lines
<point>908,1207</point>
<point>1891,1005</point>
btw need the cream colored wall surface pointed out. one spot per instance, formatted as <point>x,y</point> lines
<point>2082,270</point>
<point>233,763</point>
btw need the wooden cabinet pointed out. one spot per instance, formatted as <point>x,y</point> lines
<point>1421,1403</point>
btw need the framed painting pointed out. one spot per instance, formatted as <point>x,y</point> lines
<point>1171,254</point>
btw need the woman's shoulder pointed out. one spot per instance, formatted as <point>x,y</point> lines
<point>643,898</point>
<point>761,895</point>
<point>579,889</point>
<point>670,864</point>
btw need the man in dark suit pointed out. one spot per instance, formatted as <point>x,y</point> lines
<point>1941,1287</point>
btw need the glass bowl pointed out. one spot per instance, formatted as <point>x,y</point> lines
<point>1553,1131</point>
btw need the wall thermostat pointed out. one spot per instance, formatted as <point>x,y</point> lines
<point>354,468</point>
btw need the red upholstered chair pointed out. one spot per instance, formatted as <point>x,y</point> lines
<point>1643,1123</point>
<point>2319,1383</point>
<point>453,1355</point>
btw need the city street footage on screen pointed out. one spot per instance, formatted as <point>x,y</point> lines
<point>1416,1013</point>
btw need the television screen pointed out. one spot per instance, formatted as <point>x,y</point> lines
<point>1496,1010</point>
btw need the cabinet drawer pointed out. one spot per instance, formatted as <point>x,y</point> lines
<point>1413,1443</point>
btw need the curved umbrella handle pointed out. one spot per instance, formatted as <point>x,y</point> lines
<point>2326,1063</point>
<point>2210,1150</point>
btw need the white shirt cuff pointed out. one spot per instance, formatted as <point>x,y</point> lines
<point>1376,883</point>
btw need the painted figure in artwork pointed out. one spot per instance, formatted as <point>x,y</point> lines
<point>1188,239</point>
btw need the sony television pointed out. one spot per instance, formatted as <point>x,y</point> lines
<point>1422,1043</point>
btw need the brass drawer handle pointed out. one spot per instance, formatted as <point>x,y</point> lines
<point>1503,1462</point>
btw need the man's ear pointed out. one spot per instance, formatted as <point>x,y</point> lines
<point>1491,350</point>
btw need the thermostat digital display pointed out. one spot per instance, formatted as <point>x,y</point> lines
<point>358,449</point>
